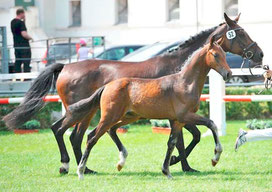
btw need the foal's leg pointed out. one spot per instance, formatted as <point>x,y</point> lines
<point>182,153</point>
<point>175,130</point>
<point>93,137</point>
<point>192,118</point>
<point>196,138</point>
<point>77,136</point>
<point>112,132</point>
<point>59,129</point>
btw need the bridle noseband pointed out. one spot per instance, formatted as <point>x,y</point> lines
<point>247,54</point>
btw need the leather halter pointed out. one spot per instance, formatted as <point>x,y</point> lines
<point>247,54</point>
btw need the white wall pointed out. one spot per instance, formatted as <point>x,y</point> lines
<point>62,14</point>
<point>256,19</point>
<point>142,13</point>
<point>255,11</point>
<point>98,13</point>
<point>7,4</point>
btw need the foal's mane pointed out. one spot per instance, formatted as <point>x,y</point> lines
<point>188,61</point>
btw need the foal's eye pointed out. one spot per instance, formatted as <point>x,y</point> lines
<point>215,55</point>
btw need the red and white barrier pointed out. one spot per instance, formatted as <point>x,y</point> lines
<point>241,98</point>
<point>49,98</point>
<point>204,97</point>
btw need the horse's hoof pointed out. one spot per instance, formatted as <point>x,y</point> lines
<point>89,171</point>
<point>214,163</point>
<point>63,171</point>
<point>173,160</point>
<point>119,167</point>
<point>191,170</point>
<point>167,173</point>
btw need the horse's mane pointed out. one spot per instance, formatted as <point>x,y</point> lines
<point>195,38</point>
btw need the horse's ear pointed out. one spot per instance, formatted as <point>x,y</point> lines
<point>237,18</point>
<point>228,20</point>
<point>211,41</point>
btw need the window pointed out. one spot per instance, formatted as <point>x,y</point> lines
<point>231,7</point>
<point>122,11</point>
<point>75,13</point>
<point>113,54</point>
<point>173,10</point>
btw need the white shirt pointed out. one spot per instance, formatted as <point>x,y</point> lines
<point>83,53</point>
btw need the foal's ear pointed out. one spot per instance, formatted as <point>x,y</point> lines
<point>212,40</point>
<point>237,18</point>
<point>230,22</point>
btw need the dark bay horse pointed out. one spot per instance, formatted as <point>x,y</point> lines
<point>174,97</point>
<point>79,80</point>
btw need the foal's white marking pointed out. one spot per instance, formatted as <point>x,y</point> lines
<point>122,157</point>
<point>65,166</point>
<point>80,171</point>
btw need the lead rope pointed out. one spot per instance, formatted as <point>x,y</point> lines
<point>267,78</point>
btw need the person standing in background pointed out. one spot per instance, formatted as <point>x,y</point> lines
<point>21,42</point>
<point>83,51</point>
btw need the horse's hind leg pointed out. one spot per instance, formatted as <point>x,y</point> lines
<point>129,118</point>
<point>175,130</point>
<point>77,136</point>
<point>59,130</point>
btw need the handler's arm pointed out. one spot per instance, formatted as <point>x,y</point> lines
<point>26,35</point>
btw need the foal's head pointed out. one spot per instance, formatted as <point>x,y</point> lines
<point>216,59</point>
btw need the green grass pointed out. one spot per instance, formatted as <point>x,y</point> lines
<point>31,163</point>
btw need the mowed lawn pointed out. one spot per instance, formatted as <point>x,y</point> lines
<point>31,163</point>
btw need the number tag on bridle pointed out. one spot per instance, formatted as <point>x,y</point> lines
<point>231,34</point>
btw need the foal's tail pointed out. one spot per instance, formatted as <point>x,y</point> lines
<point>82,107</point>
<point>33,100</point>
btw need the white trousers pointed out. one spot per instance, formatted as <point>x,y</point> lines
<point>259,135</point>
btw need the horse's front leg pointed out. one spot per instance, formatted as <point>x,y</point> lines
<point>192,118</point>
<point>180,146</point>
<point>175,131</point>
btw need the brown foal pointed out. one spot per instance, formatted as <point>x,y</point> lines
<point>174,97</point>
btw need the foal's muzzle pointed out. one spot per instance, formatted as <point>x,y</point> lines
<point>227,75</point>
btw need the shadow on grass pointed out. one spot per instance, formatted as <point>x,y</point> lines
<point>226,175</point>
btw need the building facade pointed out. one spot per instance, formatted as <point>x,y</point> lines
<point>140,21</point>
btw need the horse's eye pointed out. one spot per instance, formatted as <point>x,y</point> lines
<point>242,35</point>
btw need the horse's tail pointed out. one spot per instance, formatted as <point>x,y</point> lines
<point>33,100</point>
<point>82,107</point>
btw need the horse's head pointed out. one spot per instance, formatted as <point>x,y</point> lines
<point>216,59</point>
<point>235,39</point>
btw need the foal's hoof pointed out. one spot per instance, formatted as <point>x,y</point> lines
<point>174,160</point>
<point>119,167</point>
<point>63,171</point>
<point>89,171</point>
<point>214,162</point>
<point>190,170</point>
